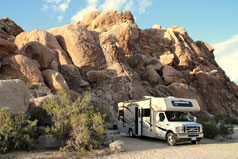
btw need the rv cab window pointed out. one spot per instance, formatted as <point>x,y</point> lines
<point>161,117</point>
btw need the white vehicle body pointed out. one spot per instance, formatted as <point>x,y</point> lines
<point>160,118</point>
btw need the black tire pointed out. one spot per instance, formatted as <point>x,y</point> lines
<point>131,133</point>
<point>171,139</point>
<point>194,141</point>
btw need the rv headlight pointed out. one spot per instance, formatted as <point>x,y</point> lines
<point>201,129</point>
<point>179,129</point>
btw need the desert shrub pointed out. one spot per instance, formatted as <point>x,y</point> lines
<point>41,115</point>
<point>215,126</point>
<point>81,123</point>
<point>209,126</point>
<point>16,131</point>
<point>230,120</point>
<point>226,129</point>
<point>219,118</point>
<point>226,119</point>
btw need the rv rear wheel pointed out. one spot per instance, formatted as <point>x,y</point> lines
<point>131,133</point>
<point>171,139</point>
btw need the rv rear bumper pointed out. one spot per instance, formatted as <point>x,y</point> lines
<point>191,136</point>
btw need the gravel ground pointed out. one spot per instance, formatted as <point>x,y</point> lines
<point>149,148</point>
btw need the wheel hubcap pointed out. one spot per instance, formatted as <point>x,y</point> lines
<point>170,139</point>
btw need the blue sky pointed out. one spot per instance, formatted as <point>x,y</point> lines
<point>212,21</point>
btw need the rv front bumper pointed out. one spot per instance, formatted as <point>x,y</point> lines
<point>190,136</point>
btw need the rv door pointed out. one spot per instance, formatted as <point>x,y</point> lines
<point>138,125</point>
<point>161,124</point>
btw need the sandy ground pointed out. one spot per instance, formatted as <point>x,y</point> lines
<point>149,148</point>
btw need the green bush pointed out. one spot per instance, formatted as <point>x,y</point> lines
<point>215,126</point>
<point>16,131</point>
<point>230,120</point>
<point>209,126</point>
<point>81,123</point>
<point>226,119</point>
<point>226,129</point>
<point>41,115</point>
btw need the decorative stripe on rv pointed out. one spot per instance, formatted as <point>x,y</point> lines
<point>125,121</point>
<point>126,108</point>
<point>148,122</point>
<point>161,128</point>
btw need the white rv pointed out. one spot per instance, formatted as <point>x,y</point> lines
<point>164,118</point>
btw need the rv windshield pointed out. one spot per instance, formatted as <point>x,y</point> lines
<point>177,116</point>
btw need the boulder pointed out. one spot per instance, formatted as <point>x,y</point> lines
<point>156,26</point>
<point>110,18</point>
<point>137,91</point>
<point>73,77</point>
<point>155,63</point>
<point>206,49</point>
<point>3,34</point>
<point>167,59</point>
<point>74,95</point>
<point>81,46</point>
<point>6,47</point>
<point>117,146</point>
<point>37,102</point>
<point>46,39</point>
<point>126,34</point>
<point>36,51</point>
<point>10,27</point>
<point>111,49</point>
<point>219,138</point>
<point>137,63</point>
<point>160,91</point>
<point>39,90</point>
<point>20,66</point>
<point>171,75</point>
<point>14,95</point>
<point>54,80</point>
<point>97,76</point>
<point>47,141</point>
<point>89,17</point>
<point>151,75</point>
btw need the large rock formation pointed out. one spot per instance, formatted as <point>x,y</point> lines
<point>109,55</point>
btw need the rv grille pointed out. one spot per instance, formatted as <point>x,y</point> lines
<point>191,129</point>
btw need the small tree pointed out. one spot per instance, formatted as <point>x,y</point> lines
<point>16,131</point>
<point>81,123</point>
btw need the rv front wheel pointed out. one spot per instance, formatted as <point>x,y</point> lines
<point>171,139</point>
<point>131,133</point>
<point>194,142</point>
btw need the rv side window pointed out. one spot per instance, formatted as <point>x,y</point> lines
<point>146,112</point>
<point>161,117</point>
<point>121,112</point>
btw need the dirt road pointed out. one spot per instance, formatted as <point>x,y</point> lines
<point>147,148</point>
